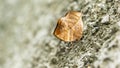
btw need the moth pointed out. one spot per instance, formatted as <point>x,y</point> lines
<point>70,27</point>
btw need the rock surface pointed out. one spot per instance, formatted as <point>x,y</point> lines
<point>26,39</point>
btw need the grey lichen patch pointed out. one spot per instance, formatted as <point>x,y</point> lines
<point>105,19</point>
<point>99,33</point>
<point>26,39</point>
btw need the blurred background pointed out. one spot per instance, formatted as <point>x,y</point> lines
<point>26,39</point>
<point>23,23</point>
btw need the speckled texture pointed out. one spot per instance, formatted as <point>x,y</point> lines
<point>26,39</point>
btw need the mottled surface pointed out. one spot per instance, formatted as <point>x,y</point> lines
<point>26,39</point>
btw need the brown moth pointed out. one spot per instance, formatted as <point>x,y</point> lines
<point>70,27</point>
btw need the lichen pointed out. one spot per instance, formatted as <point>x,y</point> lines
<point>27,40</point>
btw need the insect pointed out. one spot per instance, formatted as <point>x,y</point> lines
<point>70,27</point>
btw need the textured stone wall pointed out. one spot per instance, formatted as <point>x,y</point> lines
<point>26,39</point>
